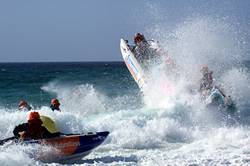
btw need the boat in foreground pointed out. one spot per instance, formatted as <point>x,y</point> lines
<point>67,147</point>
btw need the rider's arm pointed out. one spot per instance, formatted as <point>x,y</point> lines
<point>19,128</point>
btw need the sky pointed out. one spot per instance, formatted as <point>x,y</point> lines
<point>90,30</point>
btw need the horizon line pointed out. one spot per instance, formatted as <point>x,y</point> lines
<point>62,62</point>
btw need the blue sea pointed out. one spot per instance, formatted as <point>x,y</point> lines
<point>99,96</point>
<point>31,81</point>
<point>163,124</point>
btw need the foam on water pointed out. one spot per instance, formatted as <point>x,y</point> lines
<point>171,125</point>
<point>143,135</point>
<point>130,129</point>
<point>217,43</point>
<point>214,41</point>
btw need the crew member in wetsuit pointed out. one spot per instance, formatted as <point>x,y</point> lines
<point>206,83</point>
<point>24,106</point>
<point>33,129</point>
<point>55,105</point>
<point>141,50</point>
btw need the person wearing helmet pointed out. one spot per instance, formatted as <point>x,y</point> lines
<point>55,105</point>
<point>139,38</point>
<point>141,50</point>
<point>33,129</point>
<point>206,83</point>
<point>24,106</point>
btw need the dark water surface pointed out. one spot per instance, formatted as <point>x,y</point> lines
<point>25,80</point>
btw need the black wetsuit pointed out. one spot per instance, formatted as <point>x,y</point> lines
<point>142,52</point>
<point>25,127</point>
<point>145,55</point>
<point>206,81</point>
<point>53,108</point>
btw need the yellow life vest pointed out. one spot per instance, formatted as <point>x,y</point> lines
<point>49,124</point>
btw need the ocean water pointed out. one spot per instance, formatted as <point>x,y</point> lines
<point>158,126</point>
<point>35,81</point>
<point>103,96</point>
